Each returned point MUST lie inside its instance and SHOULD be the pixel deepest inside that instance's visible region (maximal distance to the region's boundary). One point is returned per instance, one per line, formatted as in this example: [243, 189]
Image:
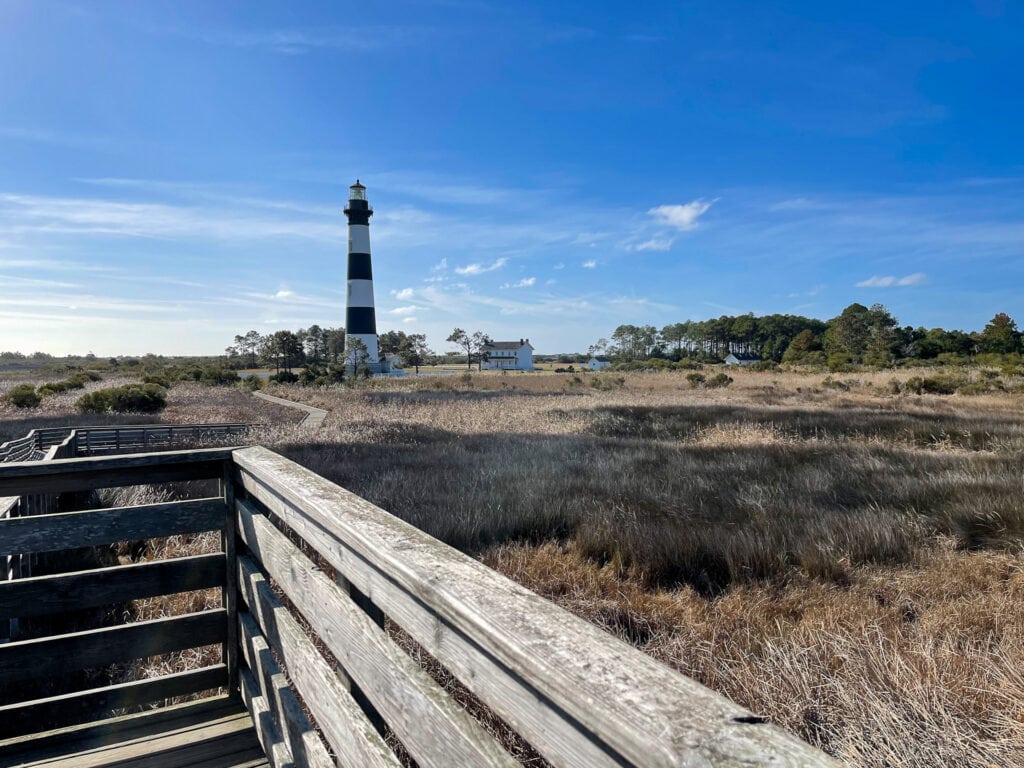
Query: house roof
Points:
[746, 356]
[602, 358]
[508, 344]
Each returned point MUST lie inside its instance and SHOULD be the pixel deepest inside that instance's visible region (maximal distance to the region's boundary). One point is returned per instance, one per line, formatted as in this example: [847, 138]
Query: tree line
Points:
[317, 346]
[859, 335]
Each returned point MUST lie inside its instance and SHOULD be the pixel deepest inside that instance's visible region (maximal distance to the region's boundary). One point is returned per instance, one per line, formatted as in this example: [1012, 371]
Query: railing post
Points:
[229, 596]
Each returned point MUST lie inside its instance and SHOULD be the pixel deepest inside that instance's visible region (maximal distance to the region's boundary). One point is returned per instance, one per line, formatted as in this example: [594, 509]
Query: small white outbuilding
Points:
[598, 363]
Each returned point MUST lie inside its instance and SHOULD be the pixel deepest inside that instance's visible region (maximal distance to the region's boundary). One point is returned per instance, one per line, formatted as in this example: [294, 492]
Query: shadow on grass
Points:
[677, 513]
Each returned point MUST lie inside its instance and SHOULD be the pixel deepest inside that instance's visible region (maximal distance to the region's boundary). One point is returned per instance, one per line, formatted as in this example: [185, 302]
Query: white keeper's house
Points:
[508, 356]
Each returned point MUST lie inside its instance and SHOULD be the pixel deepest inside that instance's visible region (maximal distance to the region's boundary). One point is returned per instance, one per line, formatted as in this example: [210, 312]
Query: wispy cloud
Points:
[682, 217]
[526, 282]
[403, 295]
[654, 244]
[890, 281]
[28, 214]
[402, 310]
[293, 42]
[479, 269]
[589, 264]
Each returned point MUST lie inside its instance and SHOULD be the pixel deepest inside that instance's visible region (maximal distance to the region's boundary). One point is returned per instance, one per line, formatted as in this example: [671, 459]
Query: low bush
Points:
[935, 385]
[220, 377]
[23, 396]
[283, 377]
[131, 398]
[695, 379]
[156, 378]
[718, 380]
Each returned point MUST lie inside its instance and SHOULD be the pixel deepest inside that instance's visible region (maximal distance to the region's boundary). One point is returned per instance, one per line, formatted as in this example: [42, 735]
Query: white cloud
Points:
[410, 319]
[890, 281]
[682, 217]
[526, 282]
[441, 266]
[284, 293]
[589, 264]
[654, 244]
[479, 269]
[402, 310]
[403, 295]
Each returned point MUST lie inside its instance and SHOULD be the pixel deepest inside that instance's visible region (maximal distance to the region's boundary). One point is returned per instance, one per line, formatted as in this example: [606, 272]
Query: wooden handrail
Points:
[575, 694]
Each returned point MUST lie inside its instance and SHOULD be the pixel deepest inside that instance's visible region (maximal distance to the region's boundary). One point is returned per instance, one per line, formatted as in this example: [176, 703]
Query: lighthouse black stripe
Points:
[360, 320]
[359, 267]
[358, 217]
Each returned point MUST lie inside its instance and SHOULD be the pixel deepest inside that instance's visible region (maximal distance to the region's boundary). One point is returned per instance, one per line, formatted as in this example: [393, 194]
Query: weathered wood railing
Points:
[98, 440]
[345, 634]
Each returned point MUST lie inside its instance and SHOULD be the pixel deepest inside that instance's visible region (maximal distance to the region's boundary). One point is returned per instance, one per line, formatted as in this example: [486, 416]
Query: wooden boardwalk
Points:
[314, 416]
[212, 733]
[331, 611]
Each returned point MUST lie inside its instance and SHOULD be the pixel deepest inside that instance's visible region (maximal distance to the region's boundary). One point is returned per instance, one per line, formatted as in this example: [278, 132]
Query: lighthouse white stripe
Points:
[370, 340]
[360, 293]
[358, 238]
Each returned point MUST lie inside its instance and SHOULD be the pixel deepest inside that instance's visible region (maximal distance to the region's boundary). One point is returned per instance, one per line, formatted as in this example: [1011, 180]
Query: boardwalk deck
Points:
[211, 733]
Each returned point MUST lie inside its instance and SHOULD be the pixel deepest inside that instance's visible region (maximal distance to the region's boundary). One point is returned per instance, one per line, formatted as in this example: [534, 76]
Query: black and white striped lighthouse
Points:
[360, 321]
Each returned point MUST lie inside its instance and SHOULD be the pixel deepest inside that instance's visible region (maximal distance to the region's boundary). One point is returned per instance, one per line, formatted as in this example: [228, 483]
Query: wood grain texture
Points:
[636, 710]
[216, 733]
[351, 735]
[83, 474]
[64, 654]
[106, 586]
[435, 730]
[84, 706]
[297, 732]
[277, 752]
[53, 533]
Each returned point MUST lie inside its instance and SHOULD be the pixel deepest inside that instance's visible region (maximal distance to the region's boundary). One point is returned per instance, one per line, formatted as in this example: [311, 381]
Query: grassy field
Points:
[844, 559]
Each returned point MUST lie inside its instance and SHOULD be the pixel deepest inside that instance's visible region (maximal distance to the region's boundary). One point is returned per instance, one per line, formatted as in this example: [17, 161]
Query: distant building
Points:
[598, 363]
[742, 358]
[508, 356]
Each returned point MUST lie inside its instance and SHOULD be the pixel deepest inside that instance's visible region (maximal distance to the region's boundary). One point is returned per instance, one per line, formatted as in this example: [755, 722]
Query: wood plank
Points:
[175, 744]
[106, 586]
[351, 735]
[628, 706]
[435, 730]
[64, 654]
[269, 736]
[124, 728]
[67, 530]
[74, 708]
[83, 474]
[229, 594]
[293, 725]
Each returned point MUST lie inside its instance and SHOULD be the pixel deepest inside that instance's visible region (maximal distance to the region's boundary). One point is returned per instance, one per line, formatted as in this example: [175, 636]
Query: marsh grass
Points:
[843, 560]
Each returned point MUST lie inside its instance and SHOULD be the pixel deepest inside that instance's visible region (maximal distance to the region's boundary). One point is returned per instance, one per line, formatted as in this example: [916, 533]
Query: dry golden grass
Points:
[845, 561]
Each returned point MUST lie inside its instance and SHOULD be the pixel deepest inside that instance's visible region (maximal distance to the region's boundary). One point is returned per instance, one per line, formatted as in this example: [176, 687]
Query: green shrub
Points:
[935, 385]
[718, 380]
[284, 377]
[763, 365]
[840, 362]
[131, 398]
[156, 378]
[695, 379]
[219, 377]
[23, 396]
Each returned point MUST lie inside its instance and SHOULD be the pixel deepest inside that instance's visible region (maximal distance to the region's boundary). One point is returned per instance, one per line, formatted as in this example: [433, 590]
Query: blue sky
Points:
[172, 174]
